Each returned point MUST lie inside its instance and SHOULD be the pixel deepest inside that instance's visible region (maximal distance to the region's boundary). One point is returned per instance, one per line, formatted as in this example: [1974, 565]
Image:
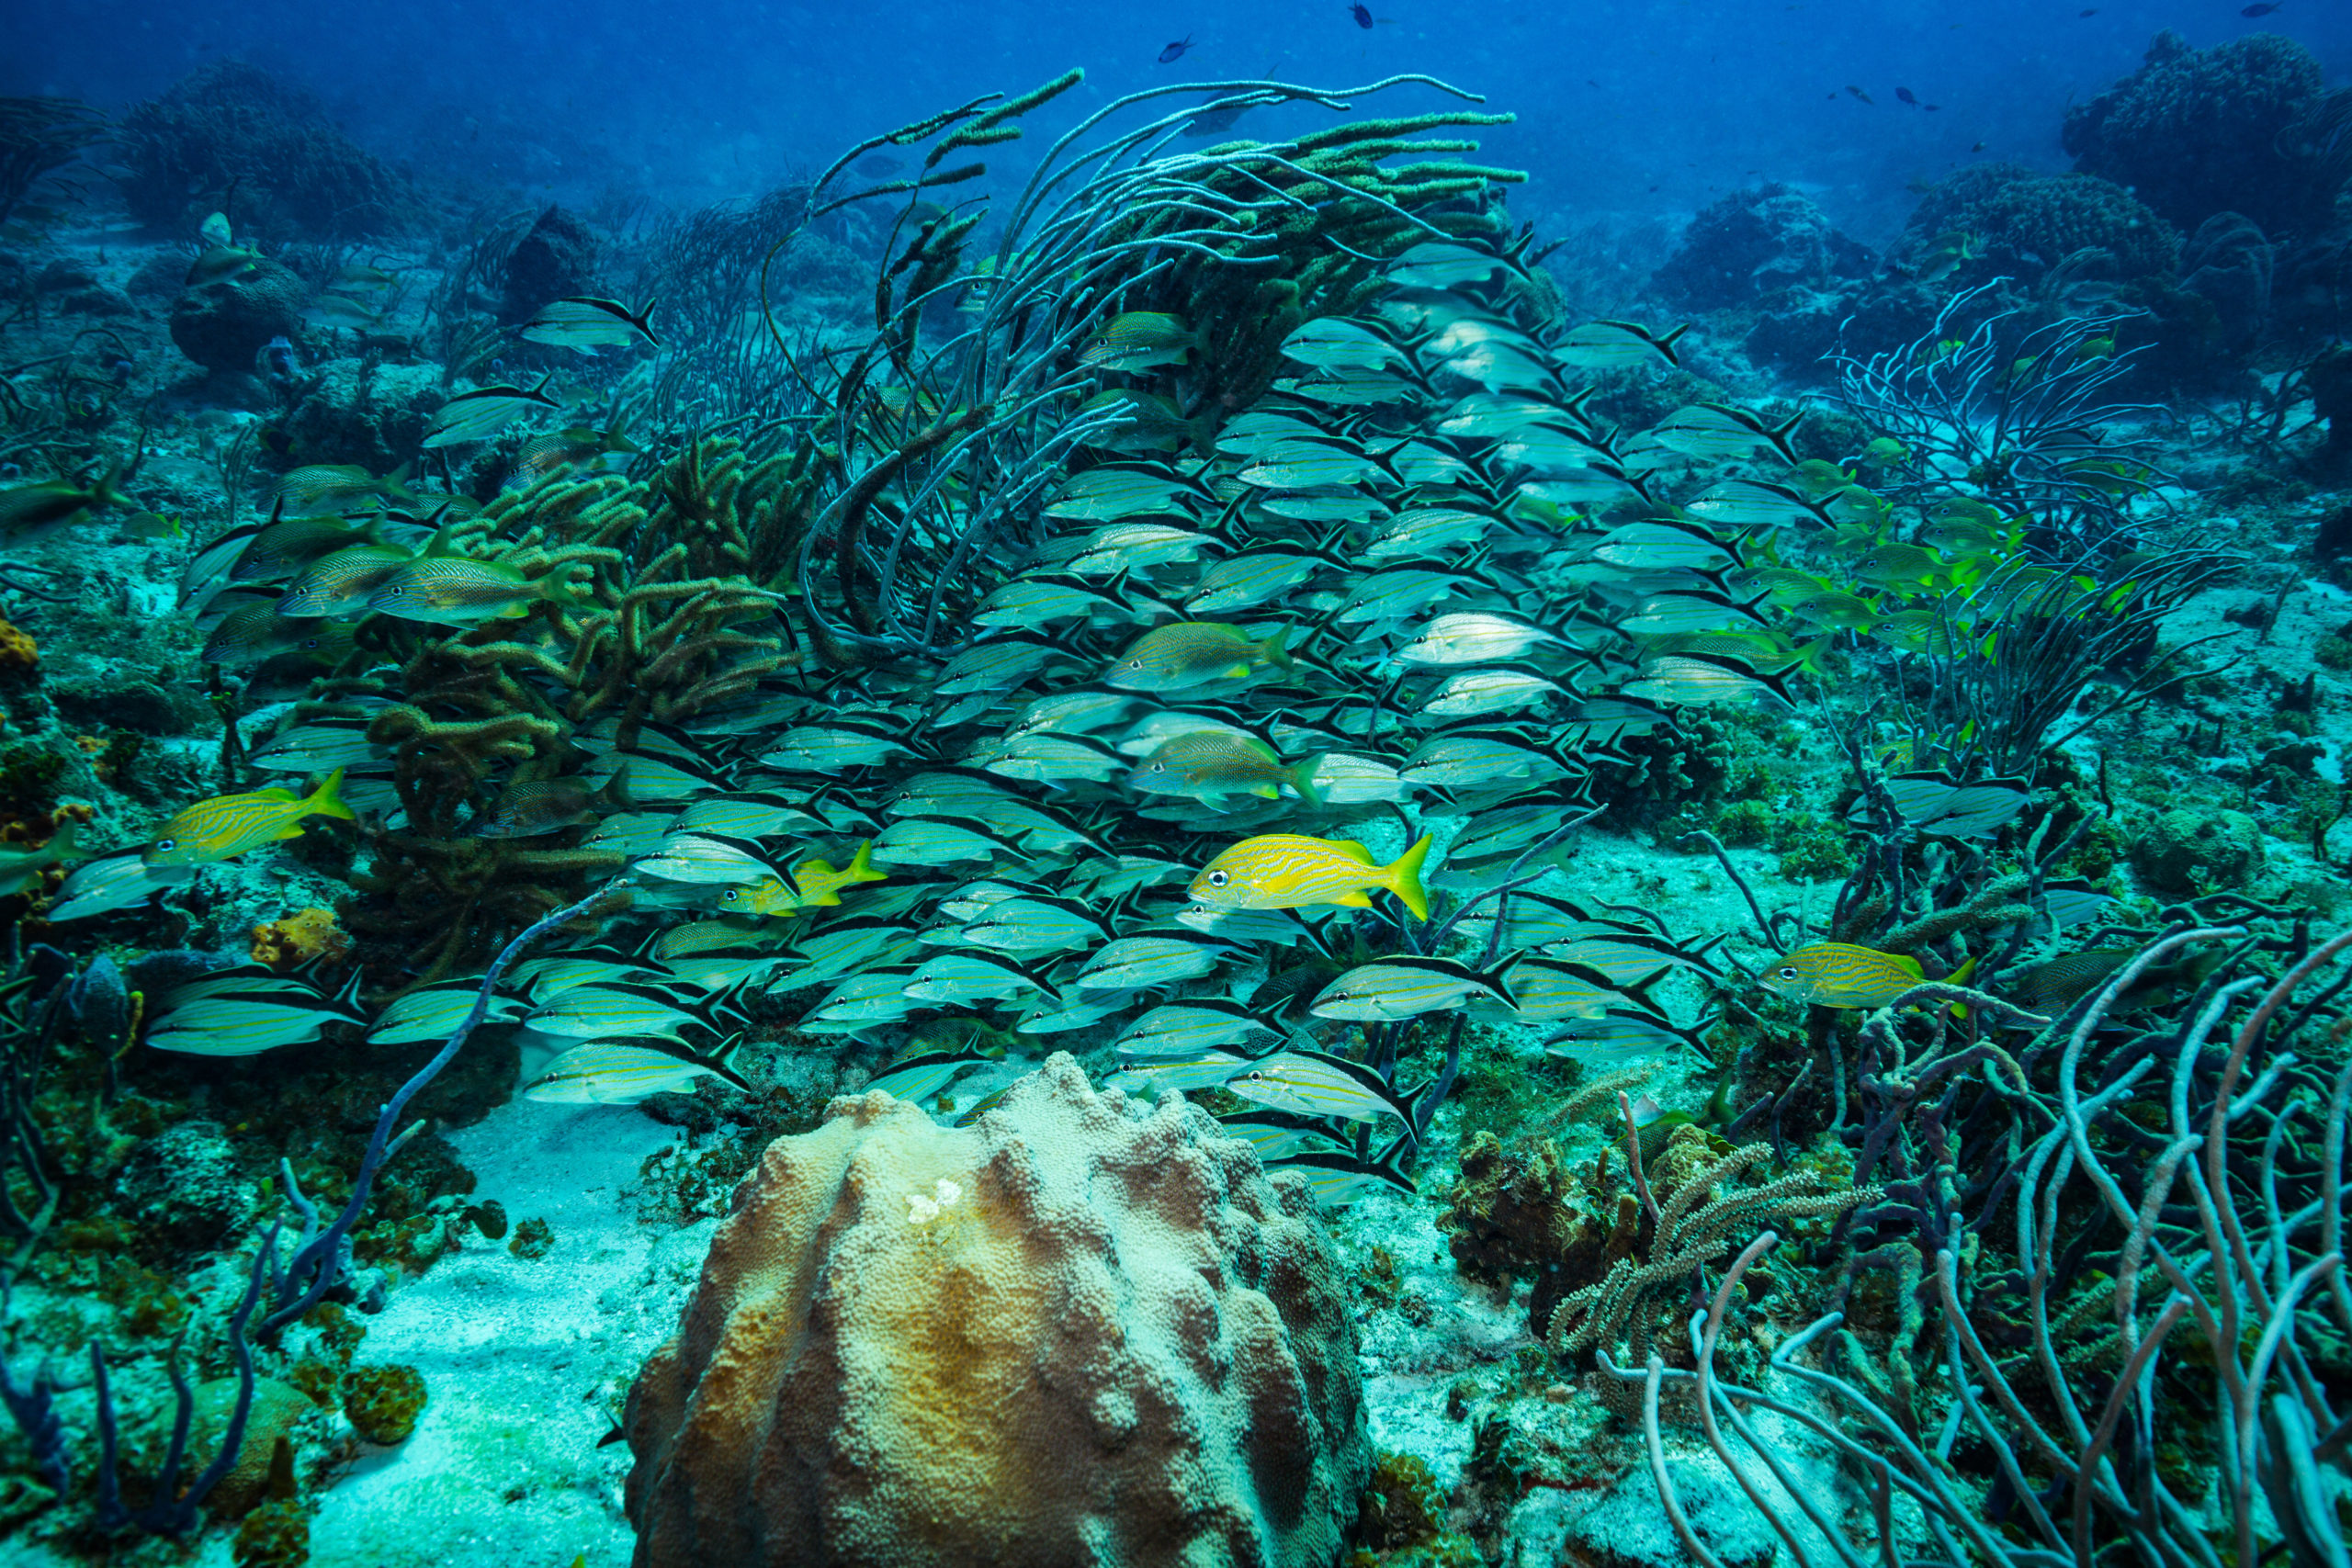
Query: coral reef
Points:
[364, 412]
[224, 324]
[2184, 851]
[382, 1403]
[2026, 224]
[1755, 242]
[308, 937]
[1068, 1333]
[230, 134]
[556, 257]
[277, 1408]
[2200, 131]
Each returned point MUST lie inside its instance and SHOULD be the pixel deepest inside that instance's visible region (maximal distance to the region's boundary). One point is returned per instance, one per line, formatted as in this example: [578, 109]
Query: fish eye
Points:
[166, 843]
[1218, 879]
[1135, 664]
[1786, 972]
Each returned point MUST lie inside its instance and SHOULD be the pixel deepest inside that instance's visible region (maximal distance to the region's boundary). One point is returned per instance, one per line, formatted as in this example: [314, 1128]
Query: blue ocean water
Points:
[1633, 107]
[1290, 866]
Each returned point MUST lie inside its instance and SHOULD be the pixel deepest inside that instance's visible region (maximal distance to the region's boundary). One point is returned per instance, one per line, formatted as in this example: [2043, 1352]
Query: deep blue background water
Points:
[1625, 106]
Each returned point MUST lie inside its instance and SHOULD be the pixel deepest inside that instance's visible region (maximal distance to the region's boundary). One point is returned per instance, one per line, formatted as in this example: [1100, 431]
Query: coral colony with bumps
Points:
[1132, 845]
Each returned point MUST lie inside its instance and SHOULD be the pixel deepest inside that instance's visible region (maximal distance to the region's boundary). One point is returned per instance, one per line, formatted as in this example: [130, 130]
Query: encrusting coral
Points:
[308, 937]
[1071, 1334]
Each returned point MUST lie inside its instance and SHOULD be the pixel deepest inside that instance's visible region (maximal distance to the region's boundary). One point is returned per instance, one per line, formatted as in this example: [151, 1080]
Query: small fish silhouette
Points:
[1175, 51]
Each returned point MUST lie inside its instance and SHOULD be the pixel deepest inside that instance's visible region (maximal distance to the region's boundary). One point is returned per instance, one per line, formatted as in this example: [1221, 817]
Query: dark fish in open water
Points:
[1175, 51]
[1362, 14]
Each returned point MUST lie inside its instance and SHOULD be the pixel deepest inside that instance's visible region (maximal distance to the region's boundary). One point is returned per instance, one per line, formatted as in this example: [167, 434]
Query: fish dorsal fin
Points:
[444, 529]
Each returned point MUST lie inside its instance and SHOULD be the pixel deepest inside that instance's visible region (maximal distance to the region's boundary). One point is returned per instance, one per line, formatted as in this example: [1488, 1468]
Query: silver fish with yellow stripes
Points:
[433, 1012]
[1147, 961]
[1190, 1026]
[918, 1078]
[1185, 1071]
[1401, 987]
[603, 1073]
[243, 1014]
[587, 325]
[1472, 637]
[1337, 1177]
[1310, 1083]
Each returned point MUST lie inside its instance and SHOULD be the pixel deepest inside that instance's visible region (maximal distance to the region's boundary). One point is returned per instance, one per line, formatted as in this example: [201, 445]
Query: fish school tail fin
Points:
[1275, 651]
[563, 592]
[614, 796]
[105, 492]
[861, 865]
[328, 801]
[1405, 878]
[1302, 779]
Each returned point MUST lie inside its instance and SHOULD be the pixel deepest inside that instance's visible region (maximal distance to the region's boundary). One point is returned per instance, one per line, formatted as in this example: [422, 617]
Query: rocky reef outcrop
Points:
[1072, 1334]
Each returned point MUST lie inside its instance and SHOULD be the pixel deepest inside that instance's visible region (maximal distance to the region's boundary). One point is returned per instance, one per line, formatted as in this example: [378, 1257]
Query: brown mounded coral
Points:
[382, 1403]
[1522, 1214]
[1069, 1334]
[223, 324]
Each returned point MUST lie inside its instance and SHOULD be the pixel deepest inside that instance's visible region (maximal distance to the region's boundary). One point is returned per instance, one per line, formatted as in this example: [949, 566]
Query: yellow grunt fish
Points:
[1834, 974]
[1192, 653]
[229, 825]
[815, 884]
[1285, 871]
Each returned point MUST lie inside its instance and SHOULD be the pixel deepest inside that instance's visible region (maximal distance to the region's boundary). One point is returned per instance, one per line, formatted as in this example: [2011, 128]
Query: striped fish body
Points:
[598, 1012]
[340, 585]
[1192, 653]
[229, 825]
[1139, 962]
[454, 590]
[1838, 974]
[434, 1013]
[1385, 992]
[1180, 1070]
[1287, 871]
[602, 1074]
[1310, 1084]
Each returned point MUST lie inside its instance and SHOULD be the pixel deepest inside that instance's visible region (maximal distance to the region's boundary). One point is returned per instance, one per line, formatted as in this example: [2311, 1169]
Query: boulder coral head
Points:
[1072, 1334]
[2197, 131]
